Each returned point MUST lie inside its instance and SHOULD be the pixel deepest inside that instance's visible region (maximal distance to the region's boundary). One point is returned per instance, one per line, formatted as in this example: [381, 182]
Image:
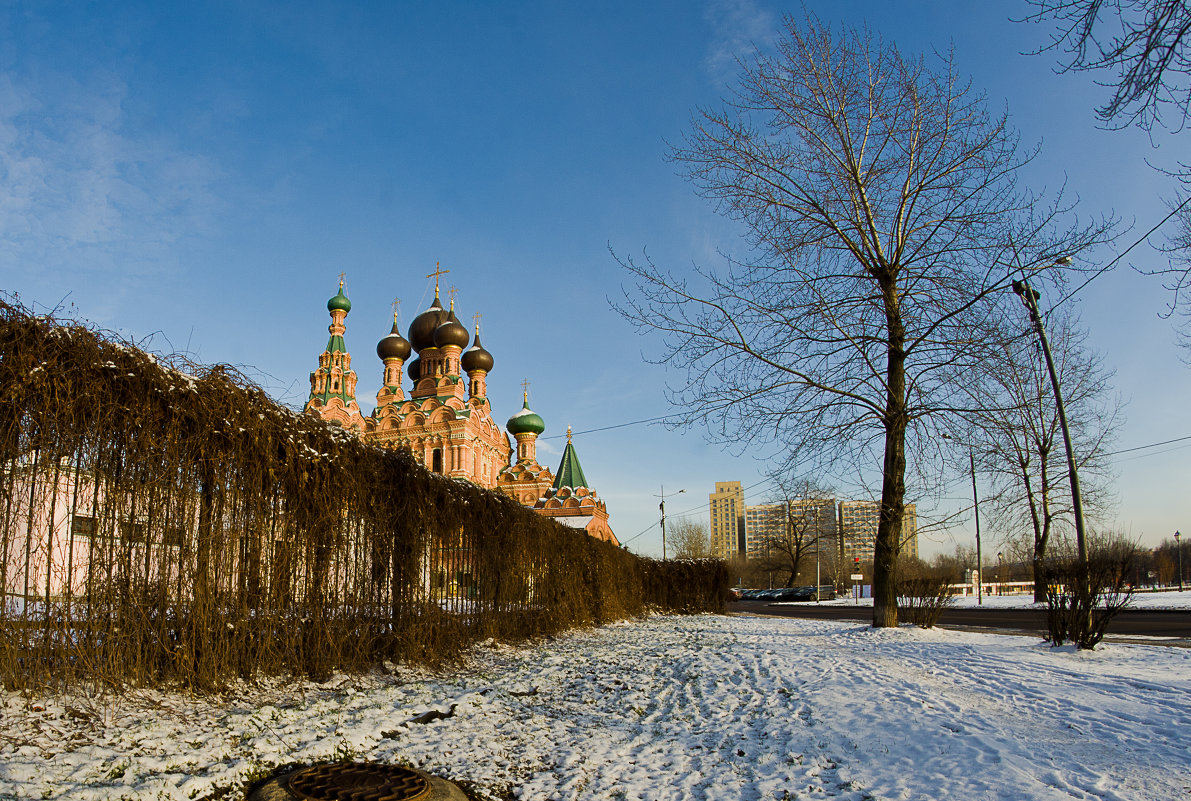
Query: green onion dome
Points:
[421, 330]
[339, 302]
[525, 422]
[393, 346]
[451, 332]
[476, 358]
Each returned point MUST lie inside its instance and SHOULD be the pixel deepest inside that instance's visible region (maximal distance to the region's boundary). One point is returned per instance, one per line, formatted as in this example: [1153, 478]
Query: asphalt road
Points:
[1155, 623]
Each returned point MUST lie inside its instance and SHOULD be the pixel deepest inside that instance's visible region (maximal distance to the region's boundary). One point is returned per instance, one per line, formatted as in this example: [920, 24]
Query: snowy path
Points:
[669, 708]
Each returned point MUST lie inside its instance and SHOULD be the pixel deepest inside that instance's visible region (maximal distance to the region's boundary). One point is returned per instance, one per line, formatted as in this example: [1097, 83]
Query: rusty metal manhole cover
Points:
[357, 781]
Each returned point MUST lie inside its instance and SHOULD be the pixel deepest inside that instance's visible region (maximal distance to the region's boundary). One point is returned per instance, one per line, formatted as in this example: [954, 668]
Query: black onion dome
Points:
[393, 346]
[476, 358]
[421, 330]
[415, 369]
[451, 332]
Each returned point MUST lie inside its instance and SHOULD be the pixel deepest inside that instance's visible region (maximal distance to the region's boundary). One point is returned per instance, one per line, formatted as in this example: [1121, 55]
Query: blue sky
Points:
[202, 172]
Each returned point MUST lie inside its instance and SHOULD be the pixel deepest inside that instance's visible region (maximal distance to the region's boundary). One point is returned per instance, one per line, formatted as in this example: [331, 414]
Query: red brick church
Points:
[446, 419]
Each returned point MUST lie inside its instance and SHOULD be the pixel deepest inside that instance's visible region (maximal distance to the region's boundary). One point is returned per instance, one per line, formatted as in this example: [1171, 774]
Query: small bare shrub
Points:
[1081, 600]
[924, 598]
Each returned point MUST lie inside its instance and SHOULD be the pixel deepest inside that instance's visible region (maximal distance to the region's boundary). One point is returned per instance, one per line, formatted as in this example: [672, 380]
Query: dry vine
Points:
[165, 522]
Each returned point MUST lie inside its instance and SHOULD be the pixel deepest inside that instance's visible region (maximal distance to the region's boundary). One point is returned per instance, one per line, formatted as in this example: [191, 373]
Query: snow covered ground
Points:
[705, 707]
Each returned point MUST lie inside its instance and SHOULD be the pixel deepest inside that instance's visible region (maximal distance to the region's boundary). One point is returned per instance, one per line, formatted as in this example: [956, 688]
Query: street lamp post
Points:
[1000, 572]
[662, 508]
[1179, 549]
[976, 514]
[818, 544]
[1029, 297]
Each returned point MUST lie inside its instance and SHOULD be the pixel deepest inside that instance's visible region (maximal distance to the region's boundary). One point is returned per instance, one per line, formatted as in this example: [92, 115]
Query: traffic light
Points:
[857, 562]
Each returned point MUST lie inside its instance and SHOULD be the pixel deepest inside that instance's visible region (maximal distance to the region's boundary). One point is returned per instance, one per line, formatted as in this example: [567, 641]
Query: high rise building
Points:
[764, 524]
[810, 519]
[727, 519]
[858, 529]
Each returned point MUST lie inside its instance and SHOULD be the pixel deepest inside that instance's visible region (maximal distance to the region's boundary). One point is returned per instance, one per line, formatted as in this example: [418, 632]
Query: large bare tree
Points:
[1018, 444]
[880, 203]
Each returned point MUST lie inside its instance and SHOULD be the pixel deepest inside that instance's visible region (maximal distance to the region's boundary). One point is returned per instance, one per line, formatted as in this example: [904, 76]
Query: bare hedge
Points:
[165, 522]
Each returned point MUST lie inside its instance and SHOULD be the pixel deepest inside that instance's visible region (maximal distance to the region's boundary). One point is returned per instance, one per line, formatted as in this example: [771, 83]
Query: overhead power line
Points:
[693, 510]
[617, 425]
[1121, 255]
[1151, 445]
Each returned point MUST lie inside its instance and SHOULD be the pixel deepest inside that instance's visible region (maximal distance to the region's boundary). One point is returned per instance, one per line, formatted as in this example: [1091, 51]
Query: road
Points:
[1154, 623]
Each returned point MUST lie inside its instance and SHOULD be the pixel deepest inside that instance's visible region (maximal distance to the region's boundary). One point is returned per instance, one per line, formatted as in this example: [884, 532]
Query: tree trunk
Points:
[893, 480]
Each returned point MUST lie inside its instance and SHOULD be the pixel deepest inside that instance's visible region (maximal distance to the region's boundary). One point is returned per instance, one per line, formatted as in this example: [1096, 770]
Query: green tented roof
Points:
[569, 474]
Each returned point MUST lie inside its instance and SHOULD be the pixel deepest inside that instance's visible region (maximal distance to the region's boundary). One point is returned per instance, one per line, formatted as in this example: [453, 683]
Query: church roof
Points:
[569, 473]
[580, 521]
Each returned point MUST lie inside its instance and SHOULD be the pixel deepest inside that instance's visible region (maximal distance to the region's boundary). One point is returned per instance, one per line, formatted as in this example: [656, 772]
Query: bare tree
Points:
[880, 202]
[956, 564]
[690, 540]
[1018, 443]
[1143, 43]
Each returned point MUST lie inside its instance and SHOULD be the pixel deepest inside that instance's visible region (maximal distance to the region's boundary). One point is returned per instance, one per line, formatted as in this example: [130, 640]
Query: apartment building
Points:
[727, 519]
[858, 529]
[814, 519]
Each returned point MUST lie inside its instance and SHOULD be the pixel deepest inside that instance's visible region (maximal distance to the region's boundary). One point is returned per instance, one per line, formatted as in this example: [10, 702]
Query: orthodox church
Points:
[446, 419]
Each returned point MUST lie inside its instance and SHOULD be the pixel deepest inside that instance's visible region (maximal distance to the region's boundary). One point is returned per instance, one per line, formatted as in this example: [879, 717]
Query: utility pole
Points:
[662, 508]
[1029, 297]
[976, 512]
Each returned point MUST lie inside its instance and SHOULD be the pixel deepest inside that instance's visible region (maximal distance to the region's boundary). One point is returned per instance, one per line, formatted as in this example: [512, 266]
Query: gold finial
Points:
[341, 275]
[396, 307]
[437, 272]
[568, 434]
[525, 386]
[451, 293]
[476, 317]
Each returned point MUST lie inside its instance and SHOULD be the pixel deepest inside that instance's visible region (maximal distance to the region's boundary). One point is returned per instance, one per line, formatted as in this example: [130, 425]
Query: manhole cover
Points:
[357, 781]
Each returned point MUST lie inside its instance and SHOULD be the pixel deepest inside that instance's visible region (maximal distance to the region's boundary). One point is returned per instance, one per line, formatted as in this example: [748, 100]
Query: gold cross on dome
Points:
[396, 308]
[476, 318]
[451, 293]
[525, 386]
[341, 275]
[437, 272]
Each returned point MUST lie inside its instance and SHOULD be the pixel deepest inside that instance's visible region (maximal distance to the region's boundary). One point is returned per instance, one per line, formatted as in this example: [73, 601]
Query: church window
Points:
[436, 460]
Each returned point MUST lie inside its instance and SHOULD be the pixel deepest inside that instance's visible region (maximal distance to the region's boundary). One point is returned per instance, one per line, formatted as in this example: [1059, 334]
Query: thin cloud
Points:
[740, 28]
[79, 192]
